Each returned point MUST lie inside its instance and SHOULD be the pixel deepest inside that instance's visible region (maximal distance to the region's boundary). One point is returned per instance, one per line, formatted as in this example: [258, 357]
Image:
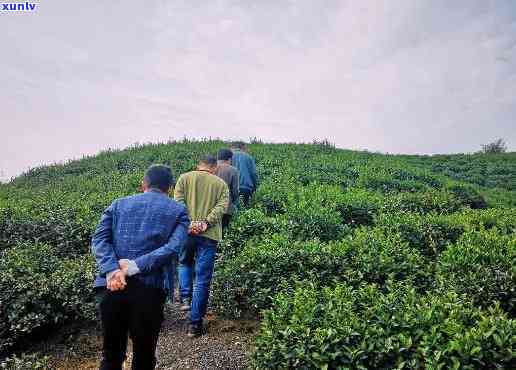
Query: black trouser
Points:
[136, 311]
[226, 219]
[246, 196]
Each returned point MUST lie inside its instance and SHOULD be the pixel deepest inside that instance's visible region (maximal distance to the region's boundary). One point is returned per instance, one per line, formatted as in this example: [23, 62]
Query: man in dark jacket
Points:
[229, 174]
[134, 245]
[246, 167]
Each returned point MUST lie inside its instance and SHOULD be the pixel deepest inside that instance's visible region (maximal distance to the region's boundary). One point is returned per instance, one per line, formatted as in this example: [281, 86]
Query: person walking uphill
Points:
[246, 167]
[134, 244]
[229, 174]
[206, 197]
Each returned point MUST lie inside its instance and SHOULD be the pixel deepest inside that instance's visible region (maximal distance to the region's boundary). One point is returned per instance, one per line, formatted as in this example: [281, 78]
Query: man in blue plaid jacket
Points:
[134, 245]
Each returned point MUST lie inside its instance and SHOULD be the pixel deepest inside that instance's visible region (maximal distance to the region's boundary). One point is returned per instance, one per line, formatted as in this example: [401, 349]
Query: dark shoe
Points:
[185, 305]
[194, 331]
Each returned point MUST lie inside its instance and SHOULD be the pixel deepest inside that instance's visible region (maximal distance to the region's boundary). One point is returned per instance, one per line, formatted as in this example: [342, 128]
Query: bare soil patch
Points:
[225, 345]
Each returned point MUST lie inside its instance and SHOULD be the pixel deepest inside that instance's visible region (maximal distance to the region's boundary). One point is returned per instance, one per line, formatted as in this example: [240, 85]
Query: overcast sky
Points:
[398, 76]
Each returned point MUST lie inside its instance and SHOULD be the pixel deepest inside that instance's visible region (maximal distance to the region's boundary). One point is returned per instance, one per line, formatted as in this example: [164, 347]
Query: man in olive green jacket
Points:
[206, 197]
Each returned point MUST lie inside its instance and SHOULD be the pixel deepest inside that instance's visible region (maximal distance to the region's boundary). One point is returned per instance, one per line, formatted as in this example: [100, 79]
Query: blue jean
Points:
[199, 256]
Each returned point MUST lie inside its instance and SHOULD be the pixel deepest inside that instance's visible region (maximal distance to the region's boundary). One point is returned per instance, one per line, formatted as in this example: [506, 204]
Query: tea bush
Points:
[432, 233]
[307, 221]
[323, 170]
[429, 234]
[340, 327]
[246, 284]
[504, 219]
[468, 195]
[432, 201]
[38, 289]
[482, 264]
[248, 225]
[379, 179]
[499, 198]
[377, 257]
[320, 215]
[58, 227]
[272, 195]
[26, 361]
[358, 207]
[489, 170]
[354, 206]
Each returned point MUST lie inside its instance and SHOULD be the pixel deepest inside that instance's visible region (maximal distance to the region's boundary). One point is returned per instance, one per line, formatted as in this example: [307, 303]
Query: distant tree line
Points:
[497, 146]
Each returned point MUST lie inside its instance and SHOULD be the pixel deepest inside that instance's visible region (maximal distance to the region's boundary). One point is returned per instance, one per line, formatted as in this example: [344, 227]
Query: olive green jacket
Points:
[206, 197]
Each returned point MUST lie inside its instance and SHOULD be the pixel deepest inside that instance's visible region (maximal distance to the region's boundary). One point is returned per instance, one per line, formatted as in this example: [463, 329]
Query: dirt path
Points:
[224, 346]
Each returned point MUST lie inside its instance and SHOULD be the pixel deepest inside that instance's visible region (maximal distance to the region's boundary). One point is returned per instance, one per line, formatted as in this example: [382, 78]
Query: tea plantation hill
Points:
[349, 259]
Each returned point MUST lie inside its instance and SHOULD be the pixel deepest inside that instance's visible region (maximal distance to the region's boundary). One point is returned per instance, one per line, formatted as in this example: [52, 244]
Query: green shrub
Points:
[246, 284]
[273, 193]
[500, 198]
[376, 257]
[468, 195]
[493, 171]
[247, 225]
[328, 172]
[58, 227]
[38, 290]
[315, 196]
[337, 328]
[389, 179]
[306, 221]
[432, 201]
[358, 207]
[25, 361]
[504, 219]
[327, 212]
[429, 234]
[432, 233]
[482, 264]
[386, 183]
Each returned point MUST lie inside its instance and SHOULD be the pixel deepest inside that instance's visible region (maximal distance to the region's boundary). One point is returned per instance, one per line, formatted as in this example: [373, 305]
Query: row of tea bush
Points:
[321, 215]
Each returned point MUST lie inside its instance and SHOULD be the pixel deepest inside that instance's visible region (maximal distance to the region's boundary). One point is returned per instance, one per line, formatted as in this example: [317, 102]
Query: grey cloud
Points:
[398, 76]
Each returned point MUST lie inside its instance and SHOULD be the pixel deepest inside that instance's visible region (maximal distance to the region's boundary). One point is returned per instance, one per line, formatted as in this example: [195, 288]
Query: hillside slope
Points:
[333, 238]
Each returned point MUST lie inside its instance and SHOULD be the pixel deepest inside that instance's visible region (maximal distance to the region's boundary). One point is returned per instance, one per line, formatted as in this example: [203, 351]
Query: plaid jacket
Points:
[149, 228]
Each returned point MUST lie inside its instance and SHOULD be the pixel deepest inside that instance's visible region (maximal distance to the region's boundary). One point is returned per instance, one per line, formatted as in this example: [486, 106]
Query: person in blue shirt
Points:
[134, 245]
[246, 167]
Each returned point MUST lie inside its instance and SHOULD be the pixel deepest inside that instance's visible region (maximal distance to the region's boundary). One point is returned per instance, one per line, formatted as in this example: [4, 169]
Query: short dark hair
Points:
[238, 144]
[159, 176]
[208, 160]
[224, 154]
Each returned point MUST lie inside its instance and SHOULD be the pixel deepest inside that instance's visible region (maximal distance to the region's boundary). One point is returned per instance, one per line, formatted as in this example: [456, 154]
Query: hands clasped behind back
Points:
[116, 280]
[197, 227]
